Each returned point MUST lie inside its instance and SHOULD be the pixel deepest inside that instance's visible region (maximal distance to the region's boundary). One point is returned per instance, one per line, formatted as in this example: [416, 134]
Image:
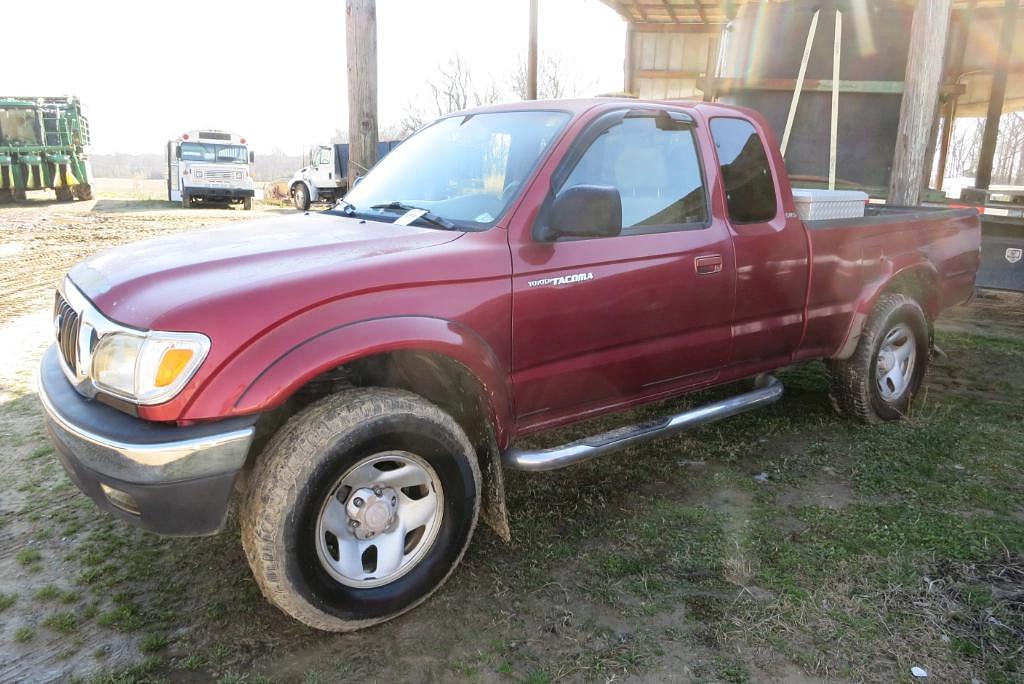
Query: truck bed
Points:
[850, 256]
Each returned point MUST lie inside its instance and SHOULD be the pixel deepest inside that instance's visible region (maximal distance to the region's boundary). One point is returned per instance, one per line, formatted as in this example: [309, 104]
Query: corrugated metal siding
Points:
[683, 56]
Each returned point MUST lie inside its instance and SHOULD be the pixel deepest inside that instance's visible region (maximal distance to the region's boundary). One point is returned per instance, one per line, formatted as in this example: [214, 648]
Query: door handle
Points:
[708, 265]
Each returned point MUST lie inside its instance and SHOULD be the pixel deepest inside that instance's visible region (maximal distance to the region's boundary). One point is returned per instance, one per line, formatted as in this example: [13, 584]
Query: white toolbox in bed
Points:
[817, 205]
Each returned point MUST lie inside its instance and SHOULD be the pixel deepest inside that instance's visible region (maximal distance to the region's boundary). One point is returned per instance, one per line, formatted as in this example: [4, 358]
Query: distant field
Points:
[130, 188]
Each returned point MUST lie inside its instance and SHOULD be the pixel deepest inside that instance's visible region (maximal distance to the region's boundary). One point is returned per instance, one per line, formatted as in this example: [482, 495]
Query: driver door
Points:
[607, 321]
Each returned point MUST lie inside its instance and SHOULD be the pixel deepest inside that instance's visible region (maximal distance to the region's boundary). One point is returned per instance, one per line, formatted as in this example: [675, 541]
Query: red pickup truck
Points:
[357, 378]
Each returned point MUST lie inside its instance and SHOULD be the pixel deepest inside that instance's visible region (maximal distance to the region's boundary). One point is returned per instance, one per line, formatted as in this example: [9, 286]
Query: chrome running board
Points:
[767, 390]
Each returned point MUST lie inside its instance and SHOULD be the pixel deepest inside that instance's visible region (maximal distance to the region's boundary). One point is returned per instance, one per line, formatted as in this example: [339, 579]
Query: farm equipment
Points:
[43, 145]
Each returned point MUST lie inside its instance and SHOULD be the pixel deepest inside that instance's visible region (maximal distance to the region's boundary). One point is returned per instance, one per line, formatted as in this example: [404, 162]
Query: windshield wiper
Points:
[347, 208]
[427, 216]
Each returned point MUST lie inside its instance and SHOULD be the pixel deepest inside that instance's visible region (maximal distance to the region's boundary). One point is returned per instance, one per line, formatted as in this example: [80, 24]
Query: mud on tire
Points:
[296, 480]
[869, 385]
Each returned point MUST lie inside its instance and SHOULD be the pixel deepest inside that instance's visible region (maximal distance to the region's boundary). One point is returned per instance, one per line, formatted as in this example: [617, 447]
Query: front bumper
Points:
[219, 193]
[163, 478]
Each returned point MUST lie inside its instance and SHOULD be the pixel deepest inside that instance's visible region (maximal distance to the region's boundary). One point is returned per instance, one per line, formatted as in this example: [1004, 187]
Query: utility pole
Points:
[361, 53]
[531, 55]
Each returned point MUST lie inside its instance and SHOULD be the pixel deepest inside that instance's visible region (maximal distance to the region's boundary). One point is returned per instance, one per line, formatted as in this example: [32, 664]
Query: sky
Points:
[274, 72]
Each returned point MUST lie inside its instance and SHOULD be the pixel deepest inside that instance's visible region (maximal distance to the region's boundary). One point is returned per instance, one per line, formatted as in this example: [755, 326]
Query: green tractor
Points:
[44, 144]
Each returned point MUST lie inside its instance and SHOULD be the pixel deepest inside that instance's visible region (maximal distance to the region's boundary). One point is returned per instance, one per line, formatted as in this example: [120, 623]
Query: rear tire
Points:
[83, 191]
[879, 381]
[247, 203]
[298, 498]
[64, 194]
[301, 197]
[186, 200]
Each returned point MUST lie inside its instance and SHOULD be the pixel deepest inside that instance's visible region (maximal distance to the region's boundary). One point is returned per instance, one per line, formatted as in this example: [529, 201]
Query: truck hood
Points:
[145, 284]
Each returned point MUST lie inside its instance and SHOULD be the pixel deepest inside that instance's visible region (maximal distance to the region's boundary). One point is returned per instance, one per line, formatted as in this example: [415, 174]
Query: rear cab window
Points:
[653, 162]
[746, 171]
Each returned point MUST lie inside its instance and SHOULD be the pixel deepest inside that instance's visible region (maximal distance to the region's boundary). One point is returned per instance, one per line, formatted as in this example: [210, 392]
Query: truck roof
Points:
[577, 106]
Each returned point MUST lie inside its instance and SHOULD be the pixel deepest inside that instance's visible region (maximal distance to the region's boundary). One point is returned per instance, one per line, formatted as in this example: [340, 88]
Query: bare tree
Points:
[556, 78]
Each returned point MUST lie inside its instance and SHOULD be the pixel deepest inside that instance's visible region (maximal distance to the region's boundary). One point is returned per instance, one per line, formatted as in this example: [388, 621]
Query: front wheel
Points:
[360, 508]
[247, 203]
[301, 197]
[186, 200]
[888, 366]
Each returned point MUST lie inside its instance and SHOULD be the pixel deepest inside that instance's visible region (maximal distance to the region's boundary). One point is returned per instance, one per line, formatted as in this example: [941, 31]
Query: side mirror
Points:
[585, 211]
[177, 152]
[252, 157]
[357, 181]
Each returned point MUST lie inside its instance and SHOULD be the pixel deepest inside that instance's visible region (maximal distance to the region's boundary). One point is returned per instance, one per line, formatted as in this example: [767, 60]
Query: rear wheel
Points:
[888, 367]
[64, 194]
[301, 197]
[83, 191]
[360, 508]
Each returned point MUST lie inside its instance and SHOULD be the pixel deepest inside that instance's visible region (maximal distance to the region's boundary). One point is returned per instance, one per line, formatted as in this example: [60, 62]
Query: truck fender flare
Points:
[349, 342]
[920, 270]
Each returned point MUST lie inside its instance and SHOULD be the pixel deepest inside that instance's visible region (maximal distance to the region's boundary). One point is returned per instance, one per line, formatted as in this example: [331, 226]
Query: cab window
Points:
[746, 173]
[653, 163]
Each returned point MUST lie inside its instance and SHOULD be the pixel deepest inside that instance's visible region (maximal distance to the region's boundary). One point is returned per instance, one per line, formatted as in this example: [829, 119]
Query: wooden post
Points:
[361, 49]
[996, 98]
[711, 67]
[531, 55]
[928, 35]
[959, 31]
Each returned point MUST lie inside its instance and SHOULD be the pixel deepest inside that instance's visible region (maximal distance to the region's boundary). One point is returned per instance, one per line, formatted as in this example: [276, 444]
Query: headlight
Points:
[147, 368]
[239, 175]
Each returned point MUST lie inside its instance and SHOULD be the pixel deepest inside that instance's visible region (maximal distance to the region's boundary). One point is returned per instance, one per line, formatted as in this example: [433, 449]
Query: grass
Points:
[865, 551]
[65, 622]
[28, 557]
[24, 634]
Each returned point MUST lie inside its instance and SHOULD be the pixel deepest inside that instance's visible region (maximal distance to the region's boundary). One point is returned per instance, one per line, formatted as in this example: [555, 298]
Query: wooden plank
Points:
[928, 35]
[700, 10]
[531, 55]
[671, 12]
[996, 97]
[668, 73]
[629, 80]
[798, 86]
[694, 27]
[640, 10]
[361, 58]
[825, 86]
[833, 139]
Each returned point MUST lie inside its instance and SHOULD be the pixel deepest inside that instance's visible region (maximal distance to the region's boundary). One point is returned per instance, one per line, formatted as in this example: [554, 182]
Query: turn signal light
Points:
[171, 365]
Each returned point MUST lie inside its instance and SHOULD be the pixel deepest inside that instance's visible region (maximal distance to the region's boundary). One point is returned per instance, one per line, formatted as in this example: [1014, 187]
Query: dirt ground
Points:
[783, 546]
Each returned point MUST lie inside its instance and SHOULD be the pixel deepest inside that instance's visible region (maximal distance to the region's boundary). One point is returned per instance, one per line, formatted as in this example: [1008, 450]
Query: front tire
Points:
[301, 197]
[186, 200]
[247, 203]
[889, 364]
[360, 508]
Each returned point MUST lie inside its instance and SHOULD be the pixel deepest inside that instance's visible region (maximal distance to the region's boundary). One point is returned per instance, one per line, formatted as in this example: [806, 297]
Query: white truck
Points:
[324, 179]
[209, 166]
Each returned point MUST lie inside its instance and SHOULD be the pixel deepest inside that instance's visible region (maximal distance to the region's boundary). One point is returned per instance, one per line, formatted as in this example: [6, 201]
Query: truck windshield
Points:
[207, 152]
[463, 168]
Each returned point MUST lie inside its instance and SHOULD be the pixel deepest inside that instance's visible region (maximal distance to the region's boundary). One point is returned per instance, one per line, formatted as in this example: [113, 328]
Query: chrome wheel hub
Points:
[380, 519]
[894, 366]
[371, 511]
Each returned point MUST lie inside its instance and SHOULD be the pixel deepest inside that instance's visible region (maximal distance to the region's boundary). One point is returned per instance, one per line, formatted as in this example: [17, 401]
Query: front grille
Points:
[220, 175]
[66, 323]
